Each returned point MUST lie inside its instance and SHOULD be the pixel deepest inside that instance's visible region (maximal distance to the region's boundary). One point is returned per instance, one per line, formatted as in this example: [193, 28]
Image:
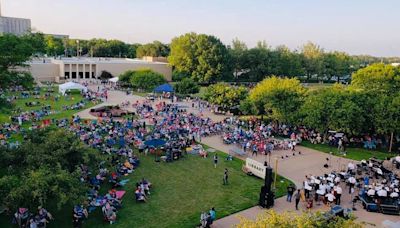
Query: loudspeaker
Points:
[266, 195]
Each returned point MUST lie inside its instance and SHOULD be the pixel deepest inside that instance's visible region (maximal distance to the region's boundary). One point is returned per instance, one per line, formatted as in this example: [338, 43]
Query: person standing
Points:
[338, 191]
[225, 179]
[290, 191]
[297, 197]
[215, 160]
[213, 215]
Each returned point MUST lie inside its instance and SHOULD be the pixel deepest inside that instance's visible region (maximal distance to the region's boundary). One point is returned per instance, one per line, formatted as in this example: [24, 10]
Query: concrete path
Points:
[295, 168]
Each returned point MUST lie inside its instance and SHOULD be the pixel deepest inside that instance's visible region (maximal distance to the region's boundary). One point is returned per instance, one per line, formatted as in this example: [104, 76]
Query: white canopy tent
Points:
[71, 85]
[115, 79]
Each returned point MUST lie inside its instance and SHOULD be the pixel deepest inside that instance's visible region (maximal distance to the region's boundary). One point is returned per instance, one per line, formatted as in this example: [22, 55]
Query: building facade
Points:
[76, 69]
[13, 25]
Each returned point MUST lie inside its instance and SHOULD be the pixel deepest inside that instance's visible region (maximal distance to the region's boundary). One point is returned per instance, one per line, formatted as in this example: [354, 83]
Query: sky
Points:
[354, 26]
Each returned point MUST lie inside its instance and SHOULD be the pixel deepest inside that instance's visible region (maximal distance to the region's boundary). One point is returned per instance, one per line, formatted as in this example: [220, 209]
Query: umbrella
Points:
[155, 142]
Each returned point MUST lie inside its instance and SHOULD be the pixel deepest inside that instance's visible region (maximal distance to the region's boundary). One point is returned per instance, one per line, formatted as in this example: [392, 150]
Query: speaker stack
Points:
[266, 194]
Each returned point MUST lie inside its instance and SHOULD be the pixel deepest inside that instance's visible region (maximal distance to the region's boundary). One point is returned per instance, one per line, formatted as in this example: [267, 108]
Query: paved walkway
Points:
[293, 167]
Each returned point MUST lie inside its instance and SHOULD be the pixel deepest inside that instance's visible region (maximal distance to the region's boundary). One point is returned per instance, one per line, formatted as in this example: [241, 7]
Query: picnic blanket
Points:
[120, 194]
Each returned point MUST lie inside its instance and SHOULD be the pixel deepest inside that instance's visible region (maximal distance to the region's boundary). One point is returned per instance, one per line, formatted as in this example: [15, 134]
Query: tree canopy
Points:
[143, 79]
[202, 56]
[44, 170]
[278, 98]
[186, 86]
[225, 96]
[154, 49]
[15, 51]
[292, 220]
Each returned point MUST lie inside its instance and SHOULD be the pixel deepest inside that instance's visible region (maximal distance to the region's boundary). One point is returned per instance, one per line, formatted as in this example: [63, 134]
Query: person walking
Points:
[290, 191]
[297, 197]
[225, 179]
[215, 160]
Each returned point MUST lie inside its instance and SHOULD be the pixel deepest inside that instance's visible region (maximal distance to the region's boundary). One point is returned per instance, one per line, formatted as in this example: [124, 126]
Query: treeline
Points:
[205, 59]
[368, 106]
[53, 46]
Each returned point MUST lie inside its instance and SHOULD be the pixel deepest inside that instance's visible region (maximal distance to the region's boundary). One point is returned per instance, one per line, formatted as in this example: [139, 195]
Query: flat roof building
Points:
[14, 25]
[68, 69]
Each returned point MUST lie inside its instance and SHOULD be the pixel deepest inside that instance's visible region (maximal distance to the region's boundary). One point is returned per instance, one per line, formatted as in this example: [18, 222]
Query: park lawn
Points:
[74, 98]
[352, 153]
[317, 86]
[182, 190]
[185, 188]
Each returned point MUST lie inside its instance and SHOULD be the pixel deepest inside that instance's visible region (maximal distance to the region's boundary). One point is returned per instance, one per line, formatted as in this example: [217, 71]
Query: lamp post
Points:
[77, 48]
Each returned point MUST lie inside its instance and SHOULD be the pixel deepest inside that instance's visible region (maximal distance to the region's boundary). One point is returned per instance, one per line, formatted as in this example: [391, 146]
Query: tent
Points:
[115, 79]
[71, 85]
[155, 142]
[167, 88]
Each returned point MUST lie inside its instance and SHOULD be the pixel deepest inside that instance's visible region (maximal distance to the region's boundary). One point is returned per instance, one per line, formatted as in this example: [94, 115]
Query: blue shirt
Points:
[212, 214]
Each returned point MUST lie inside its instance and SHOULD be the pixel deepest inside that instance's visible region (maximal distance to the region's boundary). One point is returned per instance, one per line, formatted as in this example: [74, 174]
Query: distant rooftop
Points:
[94, 60]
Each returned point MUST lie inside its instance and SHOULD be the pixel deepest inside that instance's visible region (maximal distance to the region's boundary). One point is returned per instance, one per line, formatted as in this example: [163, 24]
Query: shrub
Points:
[186, 86]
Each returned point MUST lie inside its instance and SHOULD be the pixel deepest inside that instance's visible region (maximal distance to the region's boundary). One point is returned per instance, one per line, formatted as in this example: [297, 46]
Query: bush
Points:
[186, 86]
[179, 76]
[125, 77]
[144, 79]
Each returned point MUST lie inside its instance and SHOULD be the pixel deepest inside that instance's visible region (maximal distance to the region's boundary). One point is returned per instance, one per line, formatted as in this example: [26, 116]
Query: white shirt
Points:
[352, 180]
[330, 197]
[371, 192]
[338, 190]
[394, 194]
[382, 193]
[351, 166]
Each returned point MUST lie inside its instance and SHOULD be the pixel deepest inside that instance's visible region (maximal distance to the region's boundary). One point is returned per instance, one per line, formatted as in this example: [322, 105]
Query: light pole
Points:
[77, 48]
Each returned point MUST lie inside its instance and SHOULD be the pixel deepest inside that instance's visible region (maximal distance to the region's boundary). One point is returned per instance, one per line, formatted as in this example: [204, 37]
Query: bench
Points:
[237, 151]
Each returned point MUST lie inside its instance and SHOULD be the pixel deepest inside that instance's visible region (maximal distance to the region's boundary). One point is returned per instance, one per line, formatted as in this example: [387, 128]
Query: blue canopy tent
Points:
[167, 88]
[155, 142]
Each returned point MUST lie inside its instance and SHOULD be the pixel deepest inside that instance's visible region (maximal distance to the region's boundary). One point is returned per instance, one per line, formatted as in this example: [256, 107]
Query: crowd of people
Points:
[24, 218]
[370, 181]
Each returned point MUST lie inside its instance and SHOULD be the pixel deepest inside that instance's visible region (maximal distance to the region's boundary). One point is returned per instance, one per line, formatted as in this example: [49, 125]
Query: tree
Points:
[44, 170]
[144, 79]
[54, 46]
[382, 82]
[15, 52]
[337, 64]
[186, 86]
[154, 49]
[37, 42]
[104, 75]
[312, 60]
[225, 96]
[203, 56]
[339, 109]
[131, 52]
[379, 78]
[278, 98]
[292, 220]
[259, 64]
[126, 76]
[287, 63]
[238, 55]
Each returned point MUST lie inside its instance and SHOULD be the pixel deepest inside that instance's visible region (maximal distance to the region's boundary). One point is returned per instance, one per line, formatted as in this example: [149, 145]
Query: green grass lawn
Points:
[74, 98]
[352, 153]
[182, 190]
[316, 86]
